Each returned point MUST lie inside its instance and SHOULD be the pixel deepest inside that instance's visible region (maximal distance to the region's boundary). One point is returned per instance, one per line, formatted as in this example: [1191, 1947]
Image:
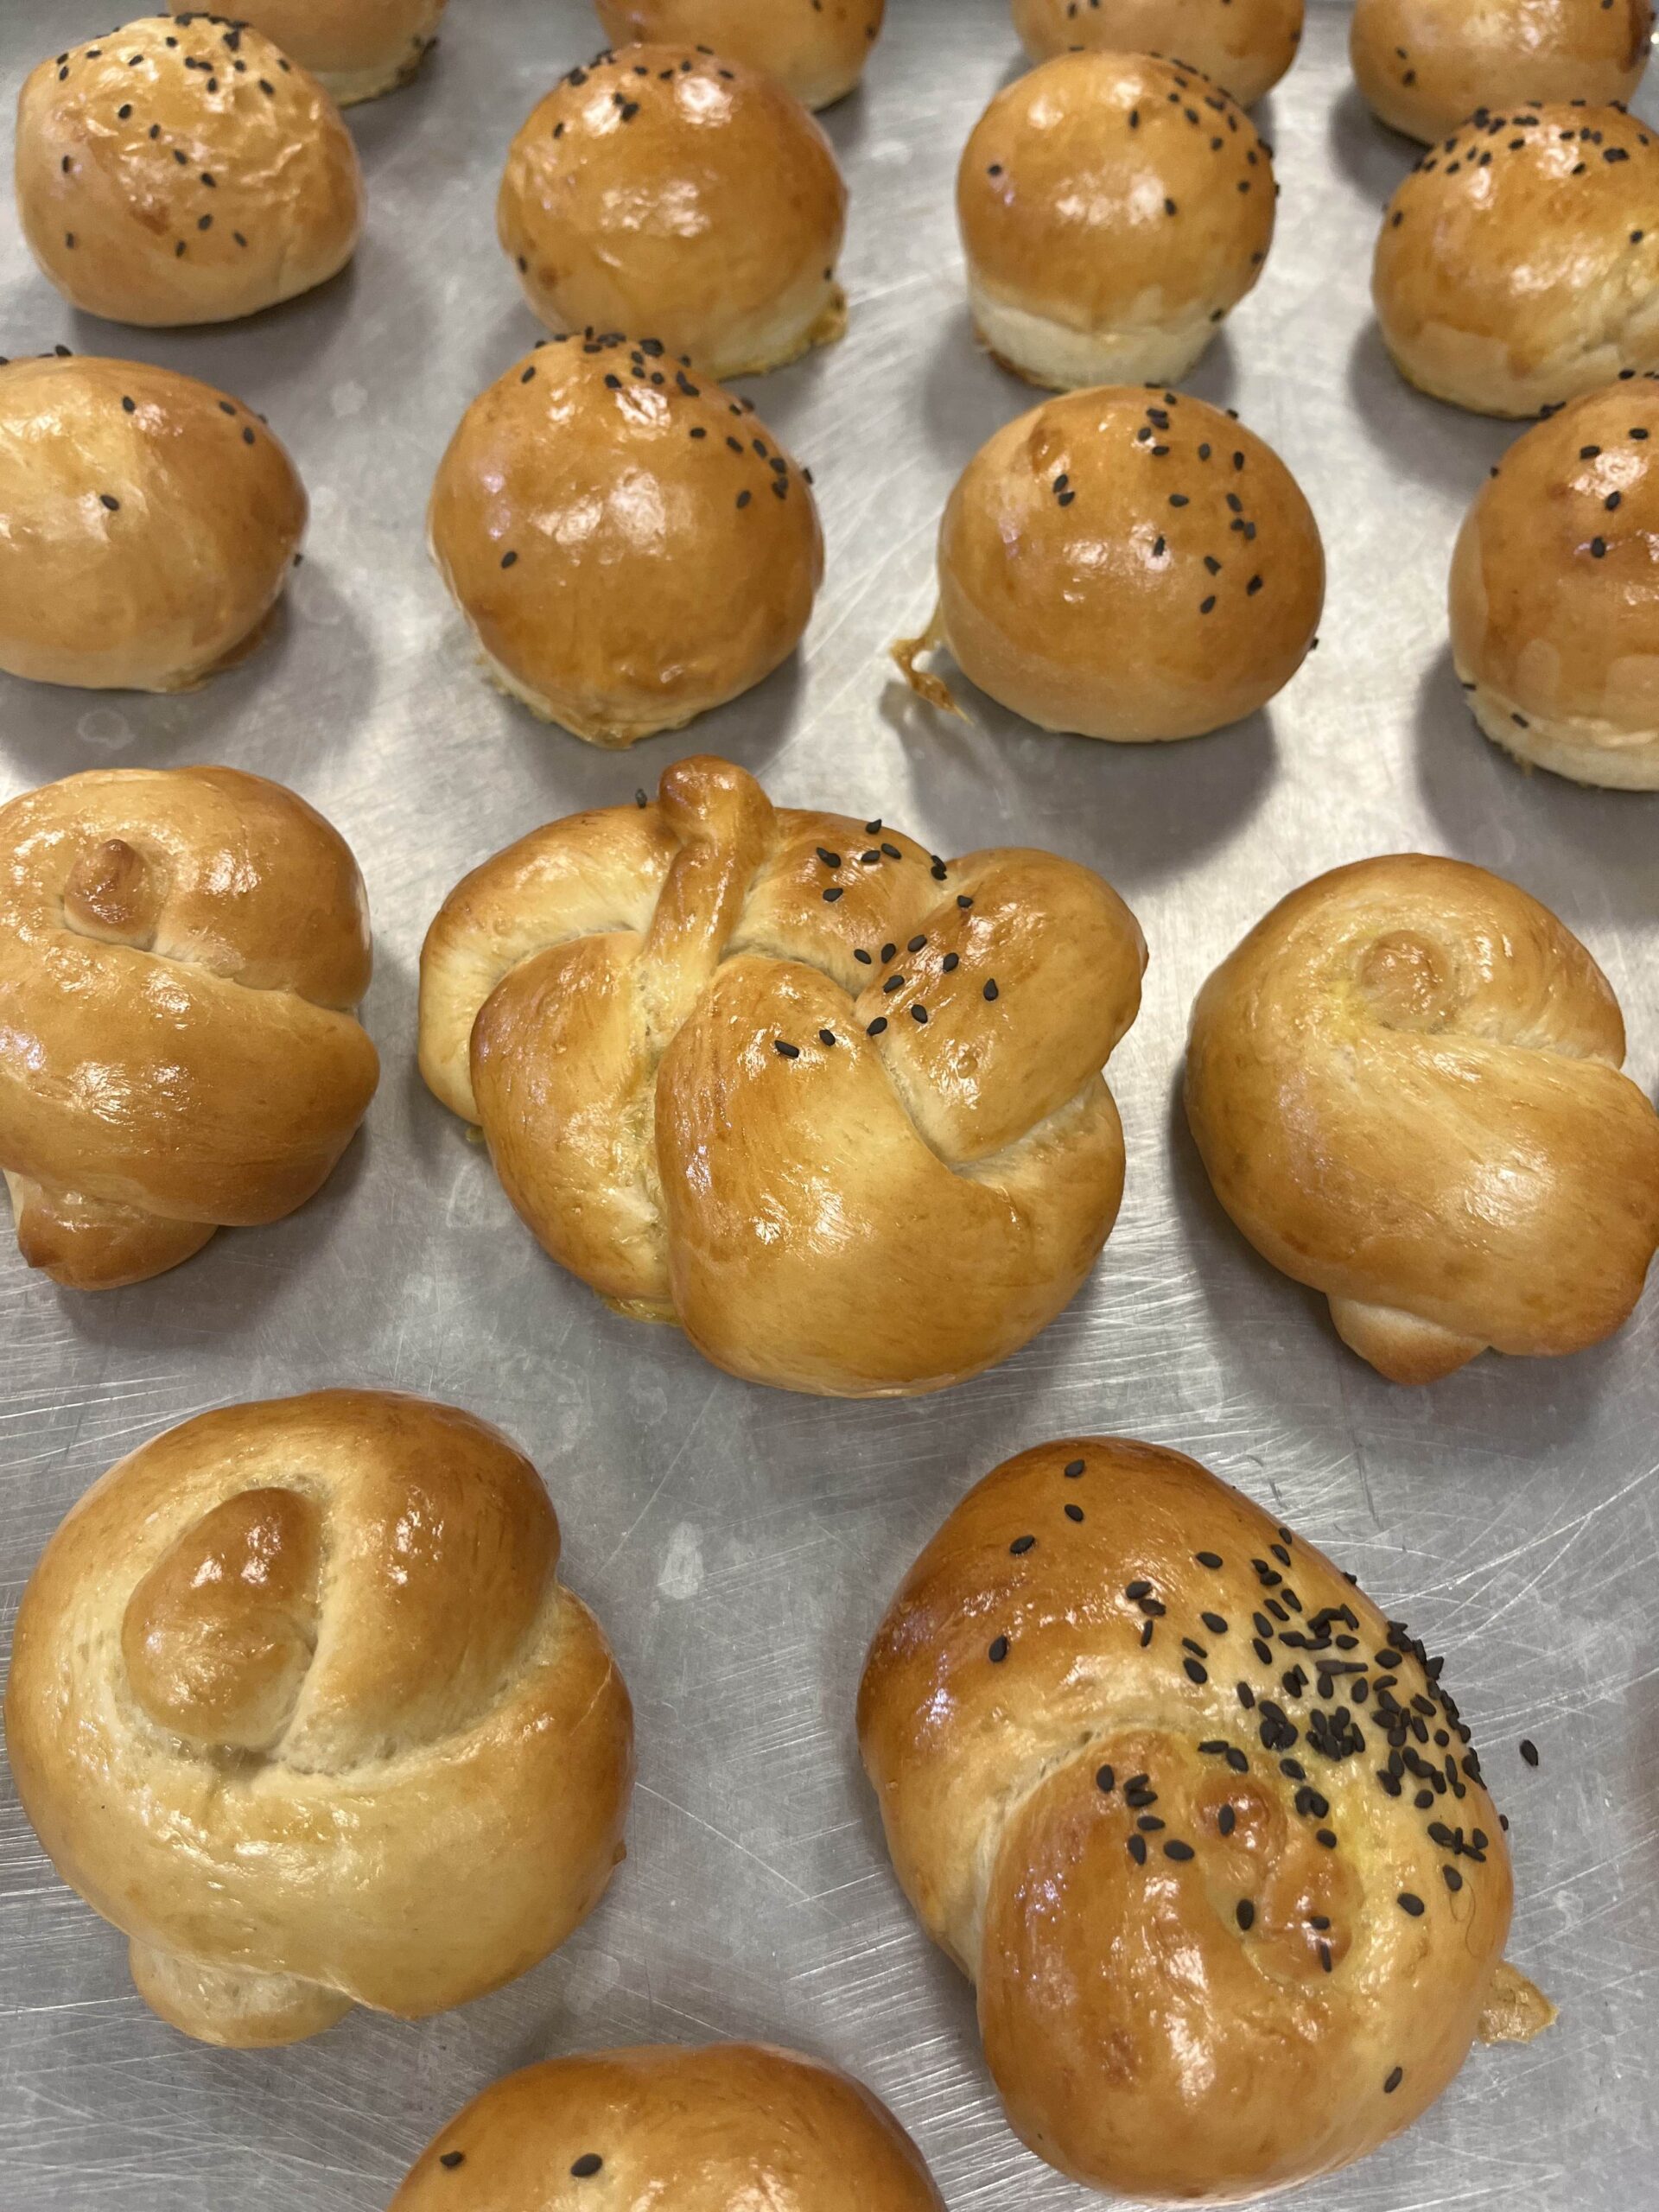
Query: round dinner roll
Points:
[1405, 1086]
[299, 1703]
[630, 544]
[1425, 65]
[356, 49]
[1128, 564]
[833, 1103]
[661, 189]
[181, 950]
[1555, 593]
[150, 524]
[1518, 264]
[1205, 1829]
[1113, 208]
[731, 2127]
[1245, 45]
[182, 169]
[816, 48]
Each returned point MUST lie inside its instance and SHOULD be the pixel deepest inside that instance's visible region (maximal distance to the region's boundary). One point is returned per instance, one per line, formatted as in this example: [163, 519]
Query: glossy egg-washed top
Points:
[816, 48]
[1245, 45]
[1426, 66]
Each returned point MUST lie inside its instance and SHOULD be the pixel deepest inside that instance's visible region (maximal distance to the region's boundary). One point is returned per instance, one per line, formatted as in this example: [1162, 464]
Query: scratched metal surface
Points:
[740, 1545]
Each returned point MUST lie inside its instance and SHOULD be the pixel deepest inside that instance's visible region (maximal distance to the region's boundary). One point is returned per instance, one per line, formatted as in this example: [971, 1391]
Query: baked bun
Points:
[1518, 265]
[630, 544]
[1555, 595]
[816, 48]
[1232, 1919]
[1245, 45]
[834, 1105]
[1425, 65]
[1126, 564]
[180, 949]
[1113, 208]
[1405, 1087]
[661, 188]
[721, 2129]
[356, 49]
[298, 1702]
[149, 524]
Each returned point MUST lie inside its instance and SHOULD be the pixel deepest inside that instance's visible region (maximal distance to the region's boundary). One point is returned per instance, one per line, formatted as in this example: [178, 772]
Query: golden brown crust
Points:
[1424, 66]
[1245, 45]
[707, 1105]
[1224, 1940]
[816, 48]
[356, 49]
[710, 2130]
[1405, 1086]
[298, 1703]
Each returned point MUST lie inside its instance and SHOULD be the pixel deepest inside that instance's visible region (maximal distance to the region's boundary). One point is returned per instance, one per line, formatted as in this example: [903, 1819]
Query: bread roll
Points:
[1113, 208]
[1205, 1830]
[150, 524]
[356, 49]
[1245, 45]
[298, 1702]
[1405, 1086]
[1518, 264]
[833, 1104]
[1128, 564]
[723, 2129]
[182, 169]
[664, 189]
[180, 949]
[1425, 65]
[816, 48]
[629, 543]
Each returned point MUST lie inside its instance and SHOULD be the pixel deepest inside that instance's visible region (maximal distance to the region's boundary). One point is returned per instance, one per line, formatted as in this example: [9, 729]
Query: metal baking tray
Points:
[740, 1544]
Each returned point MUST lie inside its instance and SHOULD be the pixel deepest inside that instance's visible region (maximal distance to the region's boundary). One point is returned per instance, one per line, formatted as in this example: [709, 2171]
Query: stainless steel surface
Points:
[739, 1545]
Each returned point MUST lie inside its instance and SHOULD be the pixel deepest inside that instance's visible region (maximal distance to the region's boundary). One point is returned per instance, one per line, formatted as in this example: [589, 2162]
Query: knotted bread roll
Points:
[356, 49]
[1405, 1086]
[833, 1104]
[1245, 45]
[816, 48]
[180, 950]
[298, 1702]
[1203, 1827]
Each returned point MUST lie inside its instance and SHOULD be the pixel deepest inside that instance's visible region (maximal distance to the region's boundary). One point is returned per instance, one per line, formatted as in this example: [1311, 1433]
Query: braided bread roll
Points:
[180, 950]
[1200, 1824]
[1405, 1086]
[830, 1102]
[298, 1702]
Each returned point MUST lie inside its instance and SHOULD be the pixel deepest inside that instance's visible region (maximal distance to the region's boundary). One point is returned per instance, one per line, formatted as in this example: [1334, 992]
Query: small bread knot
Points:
[1410, 982]
[113, 892]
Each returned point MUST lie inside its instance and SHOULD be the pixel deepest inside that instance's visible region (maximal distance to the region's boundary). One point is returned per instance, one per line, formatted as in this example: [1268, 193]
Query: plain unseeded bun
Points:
[1555, 593]
[1206, 1969]
[817, 48]
[1427, 64]
[733, 2127]
[299, 1703]
[1518, 264]
[1129, 564]
[356, 49]
[630, 544]
[661, 189]
[182, 169]
[1245, 45]
[150, 524]
[1113, 208]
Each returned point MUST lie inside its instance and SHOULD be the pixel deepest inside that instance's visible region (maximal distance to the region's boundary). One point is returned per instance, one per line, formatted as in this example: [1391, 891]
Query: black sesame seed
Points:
[1226, 1819]
[1452, 1879]
[1177, 1850]
[1106, 1780]
[1021, 1545]
[826, 1036]
[990, 990]
[918, 1014]
[863, 958]
[1138, 1849]
[1193, 1671]
[1394, 2081]
[834, 893]
[508, 560]
[1324, 1836]
[1529, 1750]
[1208, 1559]
[1074, 1513]
[1072, 1469]
[1409, 1903]
[1244, 1913]
[588, 2165]
[452, 2158]
[876, 1026]
[113, 505]
[999, 1650]
[786, 1051]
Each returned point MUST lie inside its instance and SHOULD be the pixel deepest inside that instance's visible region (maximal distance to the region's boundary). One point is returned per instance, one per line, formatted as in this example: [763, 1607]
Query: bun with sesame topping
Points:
[181, 170]
[1130, 565]
[1405, 1086]
[816, 48]
[782, 1076]
[730, 2127]
[1518, 264]
[1555, 593]
[356, 49]
[1245, 45]
[663, 188]
[1113, 207]
[1425, 65]
[1203, 1829]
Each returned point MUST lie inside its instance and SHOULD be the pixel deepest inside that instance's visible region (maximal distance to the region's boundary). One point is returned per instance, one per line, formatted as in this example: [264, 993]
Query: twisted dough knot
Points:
[298, 1702]
[1233, 1919]
[180, 950]
[1405, 1087]
[831, 1102]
